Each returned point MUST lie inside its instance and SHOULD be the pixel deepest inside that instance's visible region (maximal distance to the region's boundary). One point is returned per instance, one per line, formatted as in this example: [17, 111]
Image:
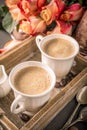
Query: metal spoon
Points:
[82, 117]
[82, 99]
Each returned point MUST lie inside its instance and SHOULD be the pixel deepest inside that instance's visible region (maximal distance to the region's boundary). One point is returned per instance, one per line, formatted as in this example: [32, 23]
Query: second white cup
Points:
[60, 65]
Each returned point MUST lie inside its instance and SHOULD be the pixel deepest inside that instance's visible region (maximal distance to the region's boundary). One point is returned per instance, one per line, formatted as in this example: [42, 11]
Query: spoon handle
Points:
[73, 123]
[71, 117]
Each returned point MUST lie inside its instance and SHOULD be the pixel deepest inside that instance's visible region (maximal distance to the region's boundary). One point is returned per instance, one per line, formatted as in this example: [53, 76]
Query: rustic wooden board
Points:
[60, 96]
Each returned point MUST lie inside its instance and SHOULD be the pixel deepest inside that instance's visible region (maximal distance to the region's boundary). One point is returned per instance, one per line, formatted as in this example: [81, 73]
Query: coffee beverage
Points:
[32, 80]
[32, 83]
[59, 48]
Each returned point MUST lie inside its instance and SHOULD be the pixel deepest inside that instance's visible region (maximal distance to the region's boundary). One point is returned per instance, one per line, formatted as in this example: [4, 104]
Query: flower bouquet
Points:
[25, 18]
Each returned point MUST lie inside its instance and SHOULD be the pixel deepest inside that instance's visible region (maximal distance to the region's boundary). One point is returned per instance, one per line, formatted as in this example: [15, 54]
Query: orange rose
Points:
[33, 26]
[49, 12]
[52, 11]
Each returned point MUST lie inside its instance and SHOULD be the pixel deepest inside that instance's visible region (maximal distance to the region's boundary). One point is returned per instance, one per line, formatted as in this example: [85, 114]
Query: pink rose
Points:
[52, 11]
[34, 26]
[62, 28]
[72, 13]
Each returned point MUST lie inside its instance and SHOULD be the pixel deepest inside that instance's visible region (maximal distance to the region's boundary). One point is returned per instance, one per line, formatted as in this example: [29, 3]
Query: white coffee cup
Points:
[25, 102]
[61, 66]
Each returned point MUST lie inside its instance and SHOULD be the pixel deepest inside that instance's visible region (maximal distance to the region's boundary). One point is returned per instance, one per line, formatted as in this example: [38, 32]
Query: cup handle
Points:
[38, 40]
[15, 108]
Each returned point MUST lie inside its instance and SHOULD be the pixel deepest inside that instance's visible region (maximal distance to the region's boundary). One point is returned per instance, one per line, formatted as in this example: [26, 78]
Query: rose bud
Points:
[33, 26]
[62, 28]
[52, 11]
[72, 13]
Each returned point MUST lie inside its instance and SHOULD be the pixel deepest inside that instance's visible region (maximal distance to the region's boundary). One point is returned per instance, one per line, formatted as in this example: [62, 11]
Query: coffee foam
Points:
[32, 80]
[59, 48]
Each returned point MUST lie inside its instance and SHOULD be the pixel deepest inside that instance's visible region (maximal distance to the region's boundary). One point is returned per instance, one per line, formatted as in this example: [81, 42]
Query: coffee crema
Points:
[59, 48]
[32, 80]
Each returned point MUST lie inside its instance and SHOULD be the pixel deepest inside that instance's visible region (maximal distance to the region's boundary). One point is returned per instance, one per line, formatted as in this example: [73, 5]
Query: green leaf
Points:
[3, 11]
[8, 23]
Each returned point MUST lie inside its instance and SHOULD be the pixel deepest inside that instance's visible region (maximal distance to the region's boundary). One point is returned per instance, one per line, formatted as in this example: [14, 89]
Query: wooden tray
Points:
[60, 96]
